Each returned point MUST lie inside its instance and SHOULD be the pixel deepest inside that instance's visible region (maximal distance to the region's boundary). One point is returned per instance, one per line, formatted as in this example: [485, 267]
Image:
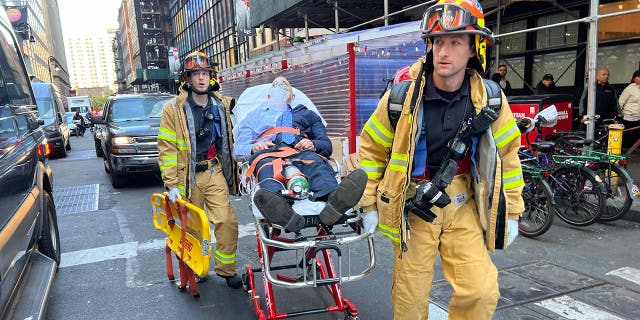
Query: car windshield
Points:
[69, 116]
[138, 109]
[45, 108]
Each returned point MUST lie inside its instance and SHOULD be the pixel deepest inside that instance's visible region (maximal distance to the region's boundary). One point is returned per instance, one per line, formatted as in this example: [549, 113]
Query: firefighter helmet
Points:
[458, 17]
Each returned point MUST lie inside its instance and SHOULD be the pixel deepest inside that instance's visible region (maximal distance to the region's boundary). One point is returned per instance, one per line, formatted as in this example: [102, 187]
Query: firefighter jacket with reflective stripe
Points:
[387, 157]
[177, 147]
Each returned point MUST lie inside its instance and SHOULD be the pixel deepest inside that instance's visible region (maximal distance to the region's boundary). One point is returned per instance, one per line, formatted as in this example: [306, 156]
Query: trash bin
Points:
[529, 106]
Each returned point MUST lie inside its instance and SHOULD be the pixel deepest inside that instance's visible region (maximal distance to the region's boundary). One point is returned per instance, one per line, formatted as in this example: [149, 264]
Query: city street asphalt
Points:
[113, 263]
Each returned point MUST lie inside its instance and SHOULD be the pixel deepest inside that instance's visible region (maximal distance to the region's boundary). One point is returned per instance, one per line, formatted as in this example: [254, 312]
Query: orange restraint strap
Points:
[275, 130]
[282, 152]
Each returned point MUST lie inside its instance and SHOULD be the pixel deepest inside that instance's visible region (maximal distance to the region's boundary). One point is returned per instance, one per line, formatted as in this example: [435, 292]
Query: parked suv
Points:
[29, 239]
[52, 112]
[128, 136]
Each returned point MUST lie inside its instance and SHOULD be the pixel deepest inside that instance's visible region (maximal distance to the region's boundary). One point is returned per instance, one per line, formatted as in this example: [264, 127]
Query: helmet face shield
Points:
[447, 17]
[197, 61]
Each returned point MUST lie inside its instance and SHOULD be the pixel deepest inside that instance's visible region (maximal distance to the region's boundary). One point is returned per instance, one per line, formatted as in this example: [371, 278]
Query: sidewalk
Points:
[633, 166]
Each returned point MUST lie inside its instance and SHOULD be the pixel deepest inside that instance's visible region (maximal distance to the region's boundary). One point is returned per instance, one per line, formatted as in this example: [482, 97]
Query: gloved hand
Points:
[512, 231]
[370, 221]
[174, 194]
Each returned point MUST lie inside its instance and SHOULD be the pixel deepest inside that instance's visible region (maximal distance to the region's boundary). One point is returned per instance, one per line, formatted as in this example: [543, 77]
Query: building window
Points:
[621, 60]
[559, 64]
[619, 27]
[557, 36]
[515, 43]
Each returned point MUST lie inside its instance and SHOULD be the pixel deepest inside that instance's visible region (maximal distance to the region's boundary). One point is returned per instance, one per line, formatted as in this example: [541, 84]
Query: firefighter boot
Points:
[277, 209]
[345, 197]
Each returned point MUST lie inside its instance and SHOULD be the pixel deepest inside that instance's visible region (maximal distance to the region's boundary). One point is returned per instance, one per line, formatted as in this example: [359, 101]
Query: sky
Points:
[88, 17]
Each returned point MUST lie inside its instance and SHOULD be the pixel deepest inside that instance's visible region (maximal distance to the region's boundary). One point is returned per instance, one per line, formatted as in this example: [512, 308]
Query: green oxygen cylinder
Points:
[296, 183]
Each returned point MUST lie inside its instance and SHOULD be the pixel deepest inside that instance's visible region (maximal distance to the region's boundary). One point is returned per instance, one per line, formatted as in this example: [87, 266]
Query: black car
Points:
[51, 110]
[128, 136]
[29, 239]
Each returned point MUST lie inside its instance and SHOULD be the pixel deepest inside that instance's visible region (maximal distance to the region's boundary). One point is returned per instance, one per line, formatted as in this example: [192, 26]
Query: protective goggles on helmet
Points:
[197, 61]
[449, 17]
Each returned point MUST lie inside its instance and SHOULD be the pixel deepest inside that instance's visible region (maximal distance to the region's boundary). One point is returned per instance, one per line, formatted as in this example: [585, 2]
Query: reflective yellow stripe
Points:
[166, 134]
[378, 132]
[400, 156]
[374, 169]
[182, 146]
[399, 162]
[391, 233]
[512, 179]
[182, 189]
[170, 161]
[225, 258]
[506, 134]
[398, 168]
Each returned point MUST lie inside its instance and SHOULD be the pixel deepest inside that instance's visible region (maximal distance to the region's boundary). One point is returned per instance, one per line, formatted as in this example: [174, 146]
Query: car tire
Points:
[99, 152]
[49, 243]
[62, 152]
[117, 180]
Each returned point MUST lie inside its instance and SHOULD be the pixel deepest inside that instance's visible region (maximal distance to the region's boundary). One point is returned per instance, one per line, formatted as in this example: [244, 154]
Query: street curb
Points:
[634, 211]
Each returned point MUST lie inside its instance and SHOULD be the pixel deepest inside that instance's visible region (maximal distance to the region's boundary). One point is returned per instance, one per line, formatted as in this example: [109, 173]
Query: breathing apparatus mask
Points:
[278, 95]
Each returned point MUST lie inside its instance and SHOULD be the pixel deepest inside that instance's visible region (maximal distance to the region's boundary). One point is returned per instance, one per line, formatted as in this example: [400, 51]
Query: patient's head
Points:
[280, 93]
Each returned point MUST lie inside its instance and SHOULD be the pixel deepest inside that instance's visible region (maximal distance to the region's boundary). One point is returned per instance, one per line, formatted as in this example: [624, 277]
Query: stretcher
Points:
[323, 258]
[188, 237]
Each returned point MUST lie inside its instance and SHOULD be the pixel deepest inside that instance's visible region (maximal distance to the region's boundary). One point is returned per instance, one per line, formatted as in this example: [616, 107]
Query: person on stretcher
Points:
[276, 136]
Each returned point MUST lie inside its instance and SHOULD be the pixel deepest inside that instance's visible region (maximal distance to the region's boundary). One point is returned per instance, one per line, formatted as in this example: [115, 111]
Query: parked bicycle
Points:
[578, 193]
[609, 167]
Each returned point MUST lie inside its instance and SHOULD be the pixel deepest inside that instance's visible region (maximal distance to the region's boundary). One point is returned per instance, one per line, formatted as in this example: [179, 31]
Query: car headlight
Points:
[121, 140]
[51, 128]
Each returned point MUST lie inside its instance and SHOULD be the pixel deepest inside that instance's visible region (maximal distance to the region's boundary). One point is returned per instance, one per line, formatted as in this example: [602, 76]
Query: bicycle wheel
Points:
[539, 207]
[564, 147]
[579, 195]
[617, 182]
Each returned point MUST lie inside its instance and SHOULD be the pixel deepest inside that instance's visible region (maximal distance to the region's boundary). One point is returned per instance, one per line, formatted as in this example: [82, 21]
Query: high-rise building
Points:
[141, 48]
[91, 62]
[208, 26]
[37, 25]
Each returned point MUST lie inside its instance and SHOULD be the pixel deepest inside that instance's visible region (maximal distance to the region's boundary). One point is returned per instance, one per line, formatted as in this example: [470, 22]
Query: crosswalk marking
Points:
[128, 250]
[627, 273]
[570, 308]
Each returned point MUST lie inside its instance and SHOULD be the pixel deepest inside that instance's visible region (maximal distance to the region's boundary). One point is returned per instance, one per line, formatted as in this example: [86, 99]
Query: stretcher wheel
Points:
[349, 317]
[245, 282]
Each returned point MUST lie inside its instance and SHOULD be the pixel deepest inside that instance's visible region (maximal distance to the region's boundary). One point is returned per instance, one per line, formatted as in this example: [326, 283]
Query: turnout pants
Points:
[212, 194]
[457, 234]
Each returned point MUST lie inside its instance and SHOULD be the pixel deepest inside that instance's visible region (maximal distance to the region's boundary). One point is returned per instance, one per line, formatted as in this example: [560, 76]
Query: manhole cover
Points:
[76, 199]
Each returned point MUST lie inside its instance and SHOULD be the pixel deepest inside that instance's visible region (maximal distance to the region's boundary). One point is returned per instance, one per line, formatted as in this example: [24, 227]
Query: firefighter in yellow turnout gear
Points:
[195, 144]
[478, 210]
